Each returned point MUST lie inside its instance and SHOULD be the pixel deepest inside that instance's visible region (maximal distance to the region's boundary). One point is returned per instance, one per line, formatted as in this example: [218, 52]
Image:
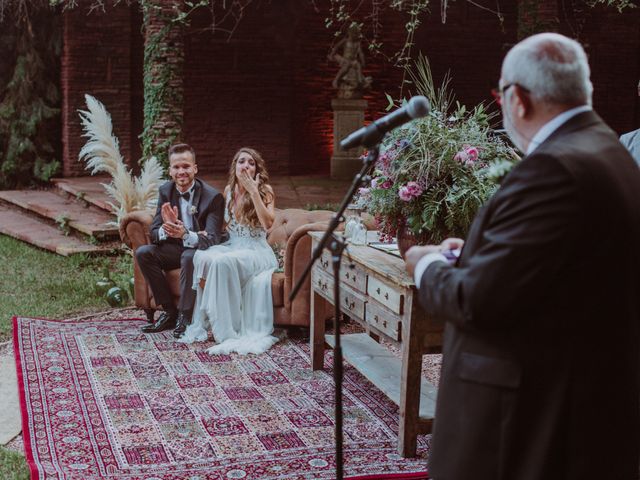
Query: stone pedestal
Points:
[348, 116]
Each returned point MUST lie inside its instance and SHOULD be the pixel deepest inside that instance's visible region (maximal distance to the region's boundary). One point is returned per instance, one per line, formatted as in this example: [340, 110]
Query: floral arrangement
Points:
[434, 173]
[279, 252]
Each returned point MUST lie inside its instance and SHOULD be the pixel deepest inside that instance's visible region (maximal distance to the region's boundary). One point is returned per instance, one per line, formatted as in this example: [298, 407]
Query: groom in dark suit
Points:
[189, 217]
[540, 359]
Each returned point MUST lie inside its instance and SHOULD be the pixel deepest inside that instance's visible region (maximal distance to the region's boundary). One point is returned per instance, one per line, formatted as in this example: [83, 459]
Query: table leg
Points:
[316, 337]
[410, 390]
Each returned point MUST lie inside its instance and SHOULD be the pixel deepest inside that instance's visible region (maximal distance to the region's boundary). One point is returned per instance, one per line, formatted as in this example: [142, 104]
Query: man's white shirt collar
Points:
[553, 124]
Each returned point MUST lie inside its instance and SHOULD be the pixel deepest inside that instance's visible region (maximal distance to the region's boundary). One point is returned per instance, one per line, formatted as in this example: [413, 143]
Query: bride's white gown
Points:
[236, 302]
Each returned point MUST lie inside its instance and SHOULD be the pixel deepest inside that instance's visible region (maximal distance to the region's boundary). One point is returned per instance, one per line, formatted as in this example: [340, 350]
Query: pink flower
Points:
[414, 188]
[405, 194]
[468, 155]
[472, 153]
[461, 157]
[388, 183]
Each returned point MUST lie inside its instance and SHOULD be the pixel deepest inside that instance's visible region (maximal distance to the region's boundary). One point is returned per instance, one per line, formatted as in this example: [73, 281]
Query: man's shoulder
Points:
[630, 138]
[166, 187]
[210, 190]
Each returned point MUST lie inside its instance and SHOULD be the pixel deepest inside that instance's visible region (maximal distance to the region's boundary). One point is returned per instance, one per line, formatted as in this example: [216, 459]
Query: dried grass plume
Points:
[102, 154]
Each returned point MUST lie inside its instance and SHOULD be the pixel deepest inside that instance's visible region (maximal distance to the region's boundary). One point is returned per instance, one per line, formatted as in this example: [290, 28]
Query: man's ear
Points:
[524, 106]
[195, 168]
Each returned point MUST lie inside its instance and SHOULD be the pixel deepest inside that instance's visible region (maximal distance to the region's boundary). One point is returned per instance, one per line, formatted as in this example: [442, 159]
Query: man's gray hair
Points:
[552, 67]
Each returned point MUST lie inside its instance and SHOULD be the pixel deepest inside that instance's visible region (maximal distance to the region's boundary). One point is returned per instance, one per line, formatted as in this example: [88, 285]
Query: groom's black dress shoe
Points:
[181, 324]
[166, 321]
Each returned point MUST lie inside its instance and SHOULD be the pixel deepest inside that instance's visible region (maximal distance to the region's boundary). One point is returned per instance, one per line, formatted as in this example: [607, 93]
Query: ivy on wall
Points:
[29, 96]
[163, 85]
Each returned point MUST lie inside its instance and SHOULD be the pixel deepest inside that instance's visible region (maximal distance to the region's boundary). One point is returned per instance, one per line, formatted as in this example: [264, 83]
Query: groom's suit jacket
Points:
[541, 365]
[208, 216]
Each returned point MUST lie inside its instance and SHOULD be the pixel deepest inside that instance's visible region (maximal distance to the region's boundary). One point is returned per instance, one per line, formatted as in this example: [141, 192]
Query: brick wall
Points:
[269, 86]
[96, 59]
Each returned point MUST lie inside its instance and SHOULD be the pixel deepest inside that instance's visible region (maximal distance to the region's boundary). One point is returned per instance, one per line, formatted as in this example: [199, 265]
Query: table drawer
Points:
[325, 261]
[383, 320]
[355, 277]
[351, 302]
[386, 294]
[321, 282]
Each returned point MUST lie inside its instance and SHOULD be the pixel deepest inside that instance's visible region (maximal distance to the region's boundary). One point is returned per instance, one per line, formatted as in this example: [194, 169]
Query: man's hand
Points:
[174, 229]
[452, 243]
[169, 213]
[414, 254]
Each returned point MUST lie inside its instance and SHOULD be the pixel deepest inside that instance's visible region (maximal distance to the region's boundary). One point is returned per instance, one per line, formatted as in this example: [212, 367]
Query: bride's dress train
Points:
[236, 302]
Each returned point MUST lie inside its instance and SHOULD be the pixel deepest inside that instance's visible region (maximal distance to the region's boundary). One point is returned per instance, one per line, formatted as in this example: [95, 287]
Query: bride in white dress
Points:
[235, 302]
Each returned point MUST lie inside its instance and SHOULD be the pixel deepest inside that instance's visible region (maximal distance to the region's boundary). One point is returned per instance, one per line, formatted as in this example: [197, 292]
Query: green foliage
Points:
[620, 5]
[160, 97]
[30, 99]
[62, 220]
[43, 284]
[13, 466]
[321, 206]
[434, 173]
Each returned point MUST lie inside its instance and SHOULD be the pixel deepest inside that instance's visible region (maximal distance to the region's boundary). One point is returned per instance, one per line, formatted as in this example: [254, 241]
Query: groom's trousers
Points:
[154, 260]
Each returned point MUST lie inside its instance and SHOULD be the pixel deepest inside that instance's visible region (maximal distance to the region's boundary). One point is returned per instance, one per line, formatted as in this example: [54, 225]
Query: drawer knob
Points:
[378, 290]
[386, 295]
[384, 324]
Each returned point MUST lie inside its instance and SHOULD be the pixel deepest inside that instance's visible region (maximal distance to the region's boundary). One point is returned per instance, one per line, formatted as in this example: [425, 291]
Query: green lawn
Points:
[37, 283]
[42, 284]
[13, 466]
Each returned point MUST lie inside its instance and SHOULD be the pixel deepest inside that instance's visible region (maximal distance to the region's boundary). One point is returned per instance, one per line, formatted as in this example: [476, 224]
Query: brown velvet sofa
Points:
[289, 228]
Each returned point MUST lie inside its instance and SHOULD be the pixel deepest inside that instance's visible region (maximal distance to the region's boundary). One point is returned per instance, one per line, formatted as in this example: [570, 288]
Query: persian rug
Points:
[101, 400]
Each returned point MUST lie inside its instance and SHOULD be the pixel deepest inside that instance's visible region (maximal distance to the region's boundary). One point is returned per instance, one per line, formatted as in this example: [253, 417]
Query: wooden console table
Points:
[379, 294]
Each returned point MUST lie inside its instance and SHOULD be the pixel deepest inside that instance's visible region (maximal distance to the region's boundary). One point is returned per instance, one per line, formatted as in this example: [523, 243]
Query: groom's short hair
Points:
[182, 147]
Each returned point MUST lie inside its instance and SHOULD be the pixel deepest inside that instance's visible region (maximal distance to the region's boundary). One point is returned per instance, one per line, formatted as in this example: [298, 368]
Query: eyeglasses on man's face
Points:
[499, 92]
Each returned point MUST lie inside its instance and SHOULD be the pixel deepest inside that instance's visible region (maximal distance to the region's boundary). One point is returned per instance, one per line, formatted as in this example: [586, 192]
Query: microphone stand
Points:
[336, 246]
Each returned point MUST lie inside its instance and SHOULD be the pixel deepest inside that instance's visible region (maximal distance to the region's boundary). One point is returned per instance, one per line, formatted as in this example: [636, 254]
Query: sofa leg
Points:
[150, 312]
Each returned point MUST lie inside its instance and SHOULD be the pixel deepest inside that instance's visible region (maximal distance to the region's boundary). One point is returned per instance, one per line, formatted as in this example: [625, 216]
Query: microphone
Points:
[372, 134]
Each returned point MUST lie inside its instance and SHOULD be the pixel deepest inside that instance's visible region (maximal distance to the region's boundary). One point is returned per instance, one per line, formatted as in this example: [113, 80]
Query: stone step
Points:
[21, 226]
[48, 204]
[88, 189]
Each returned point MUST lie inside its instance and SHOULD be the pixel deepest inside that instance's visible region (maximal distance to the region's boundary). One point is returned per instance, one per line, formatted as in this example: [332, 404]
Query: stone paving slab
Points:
[36, 232]
[88, 220]
[291, 191]
[10, 417]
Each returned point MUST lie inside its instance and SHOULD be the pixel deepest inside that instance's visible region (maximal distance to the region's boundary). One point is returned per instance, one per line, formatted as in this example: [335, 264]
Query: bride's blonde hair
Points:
[247, 213]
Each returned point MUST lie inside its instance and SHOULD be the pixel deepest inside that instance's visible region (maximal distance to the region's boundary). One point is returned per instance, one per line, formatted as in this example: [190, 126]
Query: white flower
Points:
[193, 210]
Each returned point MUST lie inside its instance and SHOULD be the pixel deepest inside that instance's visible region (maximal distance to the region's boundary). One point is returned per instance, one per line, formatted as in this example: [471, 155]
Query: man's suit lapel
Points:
[197, 192]
[173, 199]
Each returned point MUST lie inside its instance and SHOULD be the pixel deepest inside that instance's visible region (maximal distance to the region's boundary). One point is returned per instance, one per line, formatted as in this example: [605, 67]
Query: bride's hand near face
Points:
[249, 184]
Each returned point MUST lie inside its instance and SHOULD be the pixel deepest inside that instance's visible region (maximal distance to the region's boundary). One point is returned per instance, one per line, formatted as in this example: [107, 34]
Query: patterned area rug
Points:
[100, 400]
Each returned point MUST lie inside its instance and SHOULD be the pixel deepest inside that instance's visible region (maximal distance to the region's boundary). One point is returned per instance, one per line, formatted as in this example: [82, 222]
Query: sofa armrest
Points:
[134, 232]
[134, 228]
[297, 256]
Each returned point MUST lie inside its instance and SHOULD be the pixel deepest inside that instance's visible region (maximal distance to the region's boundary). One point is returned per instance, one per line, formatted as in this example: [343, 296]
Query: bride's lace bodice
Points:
[240, 230]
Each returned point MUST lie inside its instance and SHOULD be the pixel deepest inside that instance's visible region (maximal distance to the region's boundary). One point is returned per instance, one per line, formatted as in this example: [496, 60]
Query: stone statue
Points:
[349, 81]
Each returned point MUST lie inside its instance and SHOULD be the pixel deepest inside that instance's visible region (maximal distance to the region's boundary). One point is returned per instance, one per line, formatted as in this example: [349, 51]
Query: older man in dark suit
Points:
[189, 217]
[541, 365]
